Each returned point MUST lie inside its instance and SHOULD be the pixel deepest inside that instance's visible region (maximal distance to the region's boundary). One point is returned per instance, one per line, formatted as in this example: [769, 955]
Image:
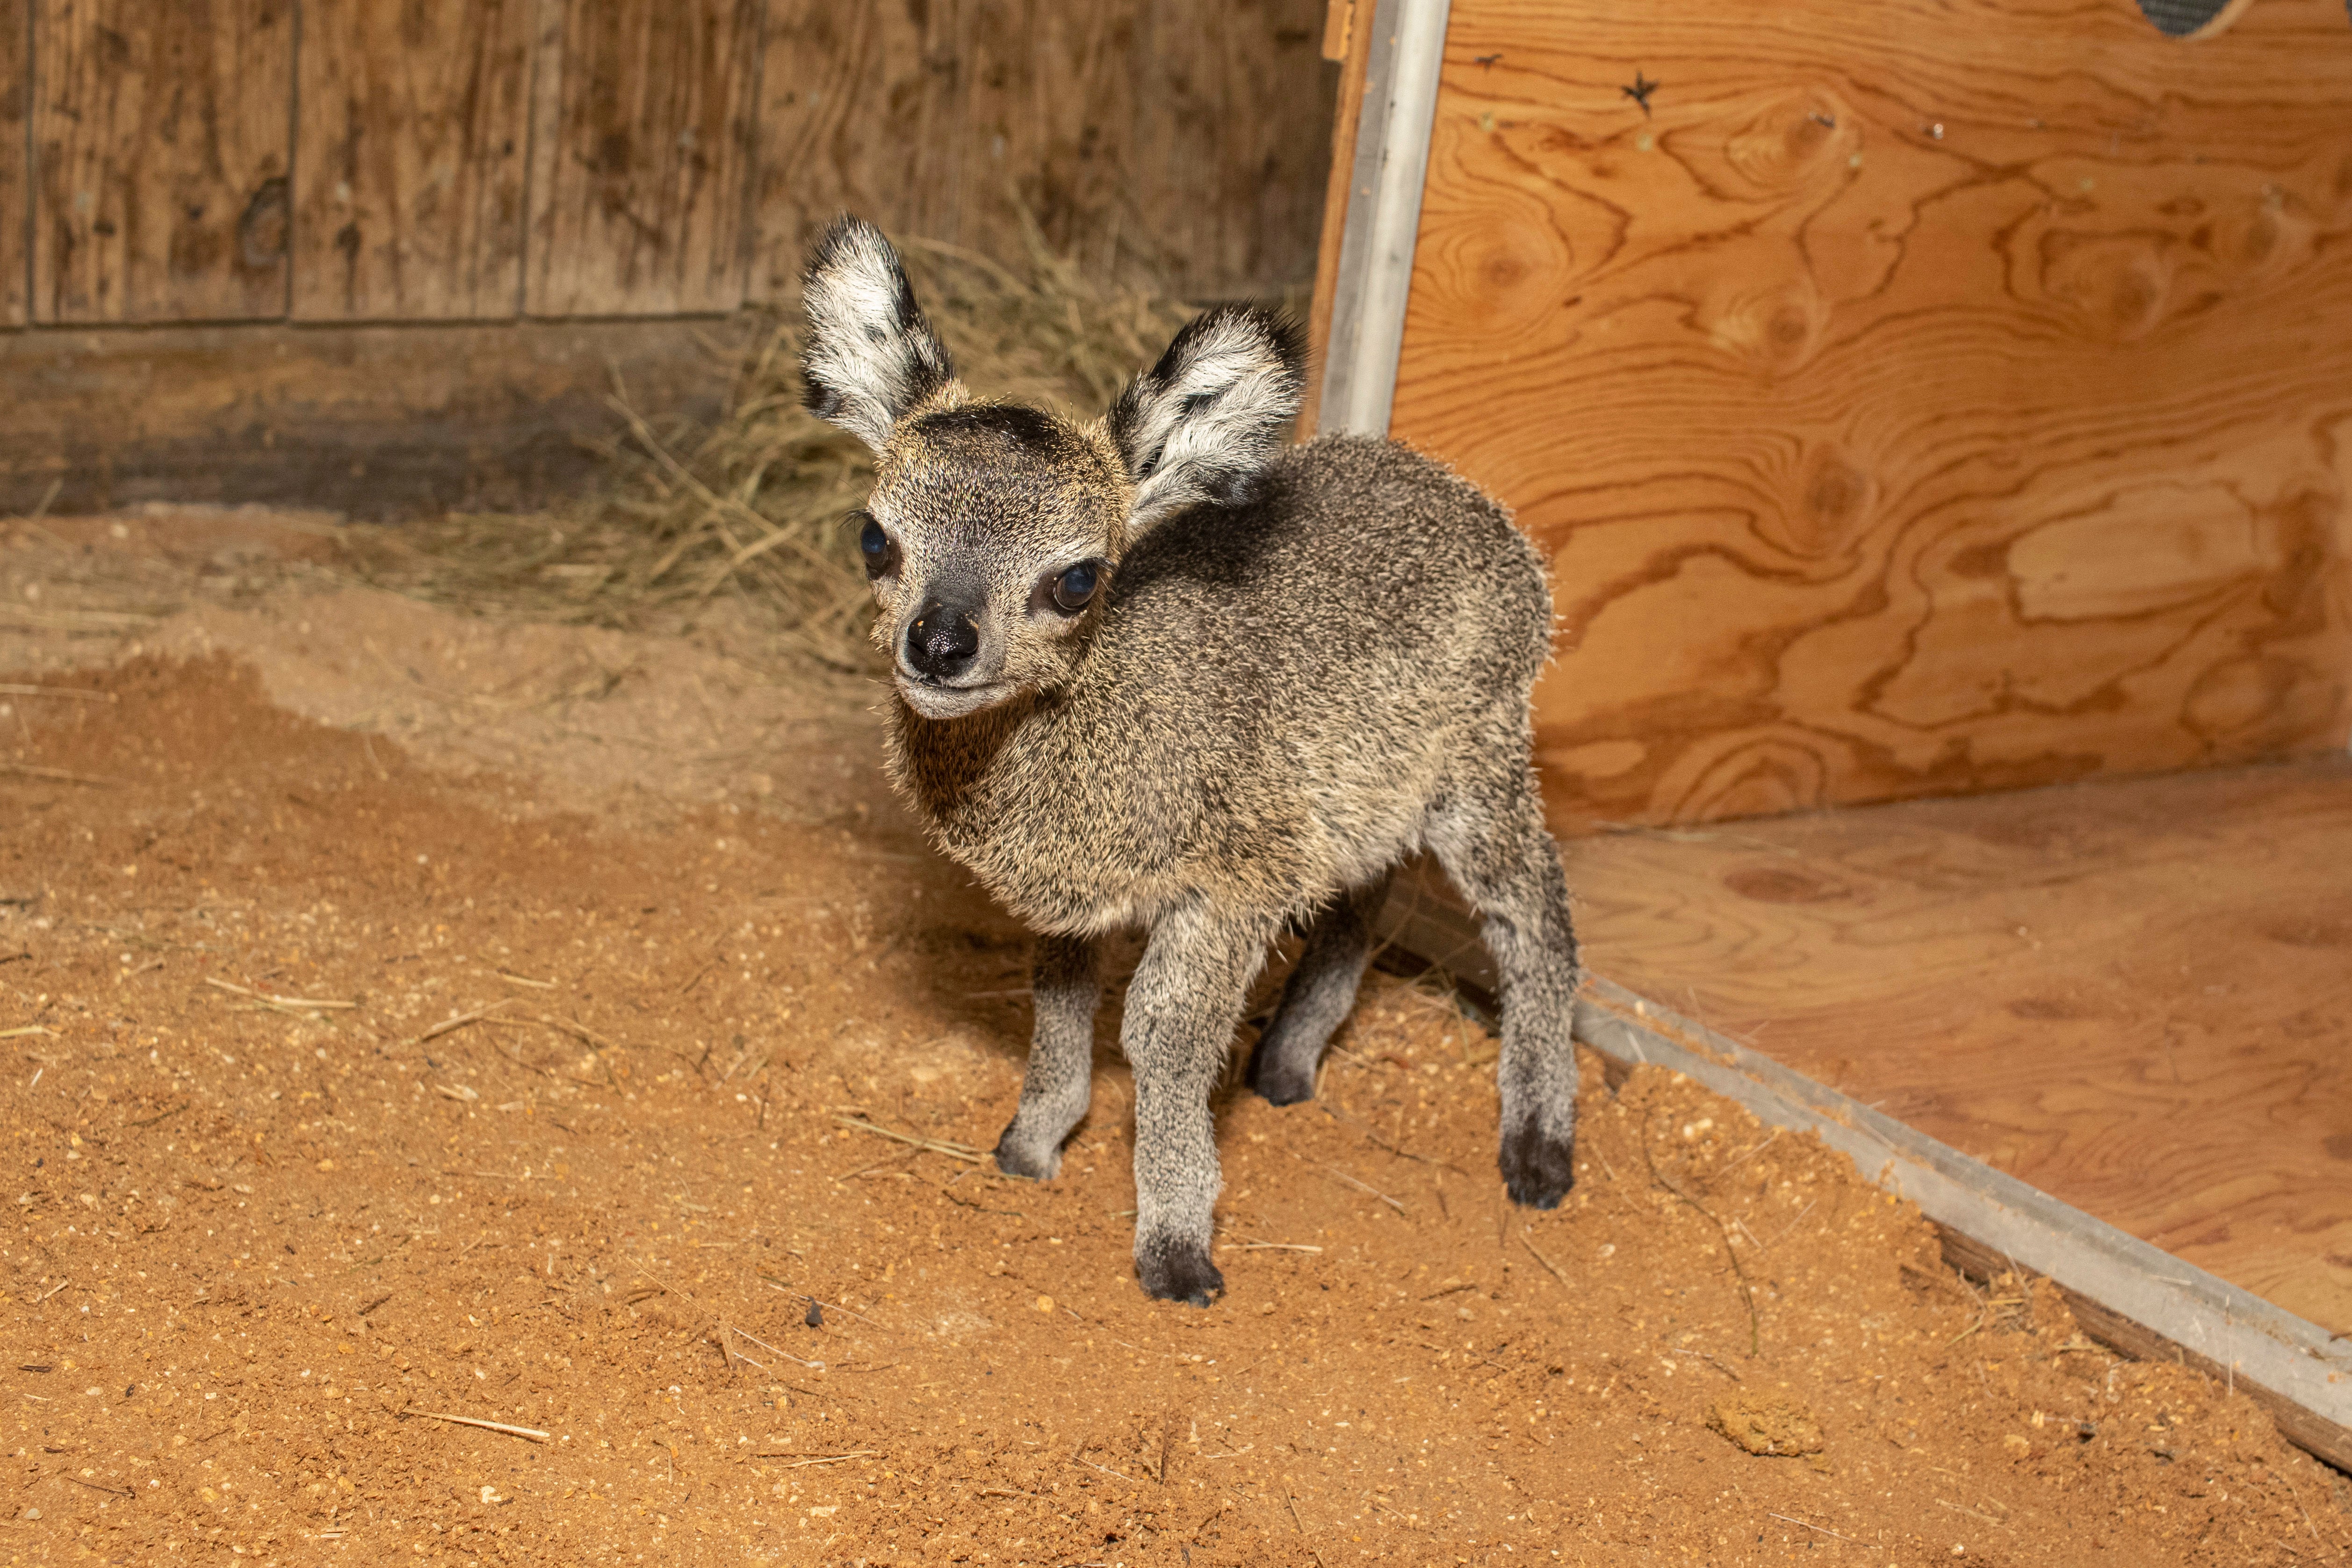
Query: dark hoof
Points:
[1537, 1171]
[1014, 1161]
[1276, 1084]
[1180, 1272]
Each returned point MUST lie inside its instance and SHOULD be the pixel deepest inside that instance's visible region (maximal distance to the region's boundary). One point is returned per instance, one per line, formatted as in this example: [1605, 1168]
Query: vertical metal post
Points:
[1375, 275]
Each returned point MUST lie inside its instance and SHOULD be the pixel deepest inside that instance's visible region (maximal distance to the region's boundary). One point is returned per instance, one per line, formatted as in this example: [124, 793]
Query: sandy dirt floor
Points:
[410, 1017]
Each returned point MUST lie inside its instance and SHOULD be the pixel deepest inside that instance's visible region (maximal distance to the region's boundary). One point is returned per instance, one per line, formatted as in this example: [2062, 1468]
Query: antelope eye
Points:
[1075, 588]
[875, 545]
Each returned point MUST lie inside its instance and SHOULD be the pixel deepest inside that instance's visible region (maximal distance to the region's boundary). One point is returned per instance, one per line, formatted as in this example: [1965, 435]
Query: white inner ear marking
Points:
[1219, 417]
[872, 369]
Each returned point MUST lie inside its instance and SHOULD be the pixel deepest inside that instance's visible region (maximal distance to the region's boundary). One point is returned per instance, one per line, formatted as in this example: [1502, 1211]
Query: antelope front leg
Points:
[1065, 991]
[1181, 1010]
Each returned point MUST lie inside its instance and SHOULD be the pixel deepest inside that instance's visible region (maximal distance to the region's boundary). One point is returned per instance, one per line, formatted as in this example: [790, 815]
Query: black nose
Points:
[941, 641]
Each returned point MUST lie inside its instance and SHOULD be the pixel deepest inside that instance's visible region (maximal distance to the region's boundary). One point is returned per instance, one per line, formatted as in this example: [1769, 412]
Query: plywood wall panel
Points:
[409, 187]
[1915, 399]
[161, 142]
[638, 200]
[1188, 140]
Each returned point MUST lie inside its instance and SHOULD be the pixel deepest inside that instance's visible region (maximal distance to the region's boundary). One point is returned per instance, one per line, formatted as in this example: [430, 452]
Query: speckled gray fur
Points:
[1300, 665]
[1318, 995]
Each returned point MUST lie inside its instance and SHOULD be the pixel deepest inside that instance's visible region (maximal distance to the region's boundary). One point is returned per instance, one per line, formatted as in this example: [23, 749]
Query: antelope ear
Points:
[871, 357]
[1203, 424]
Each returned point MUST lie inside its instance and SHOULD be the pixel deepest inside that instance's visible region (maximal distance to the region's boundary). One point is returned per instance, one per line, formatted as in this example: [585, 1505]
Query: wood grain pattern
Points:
[1918, 398]
[1190, 138]
[468, 159]
[1234, 151]
[162, 140]
[409, 188]
[840, 84]
[2134, 994]
[380, 422]
[642, 175]
[15, 105]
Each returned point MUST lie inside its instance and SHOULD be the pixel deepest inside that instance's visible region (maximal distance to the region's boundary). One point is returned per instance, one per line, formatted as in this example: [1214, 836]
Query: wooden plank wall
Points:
[412, 128]
[161, 140]
[1914, 399]
[1189, 138]
[645, 169]
[226, 213]
[328, 160]
[14, 104]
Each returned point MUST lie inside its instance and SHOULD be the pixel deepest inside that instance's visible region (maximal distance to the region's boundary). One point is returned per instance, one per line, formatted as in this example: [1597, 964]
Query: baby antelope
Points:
[1164, 671]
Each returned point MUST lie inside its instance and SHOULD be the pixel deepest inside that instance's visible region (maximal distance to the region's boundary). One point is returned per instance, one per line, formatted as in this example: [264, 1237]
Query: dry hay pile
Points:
[752, 507]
